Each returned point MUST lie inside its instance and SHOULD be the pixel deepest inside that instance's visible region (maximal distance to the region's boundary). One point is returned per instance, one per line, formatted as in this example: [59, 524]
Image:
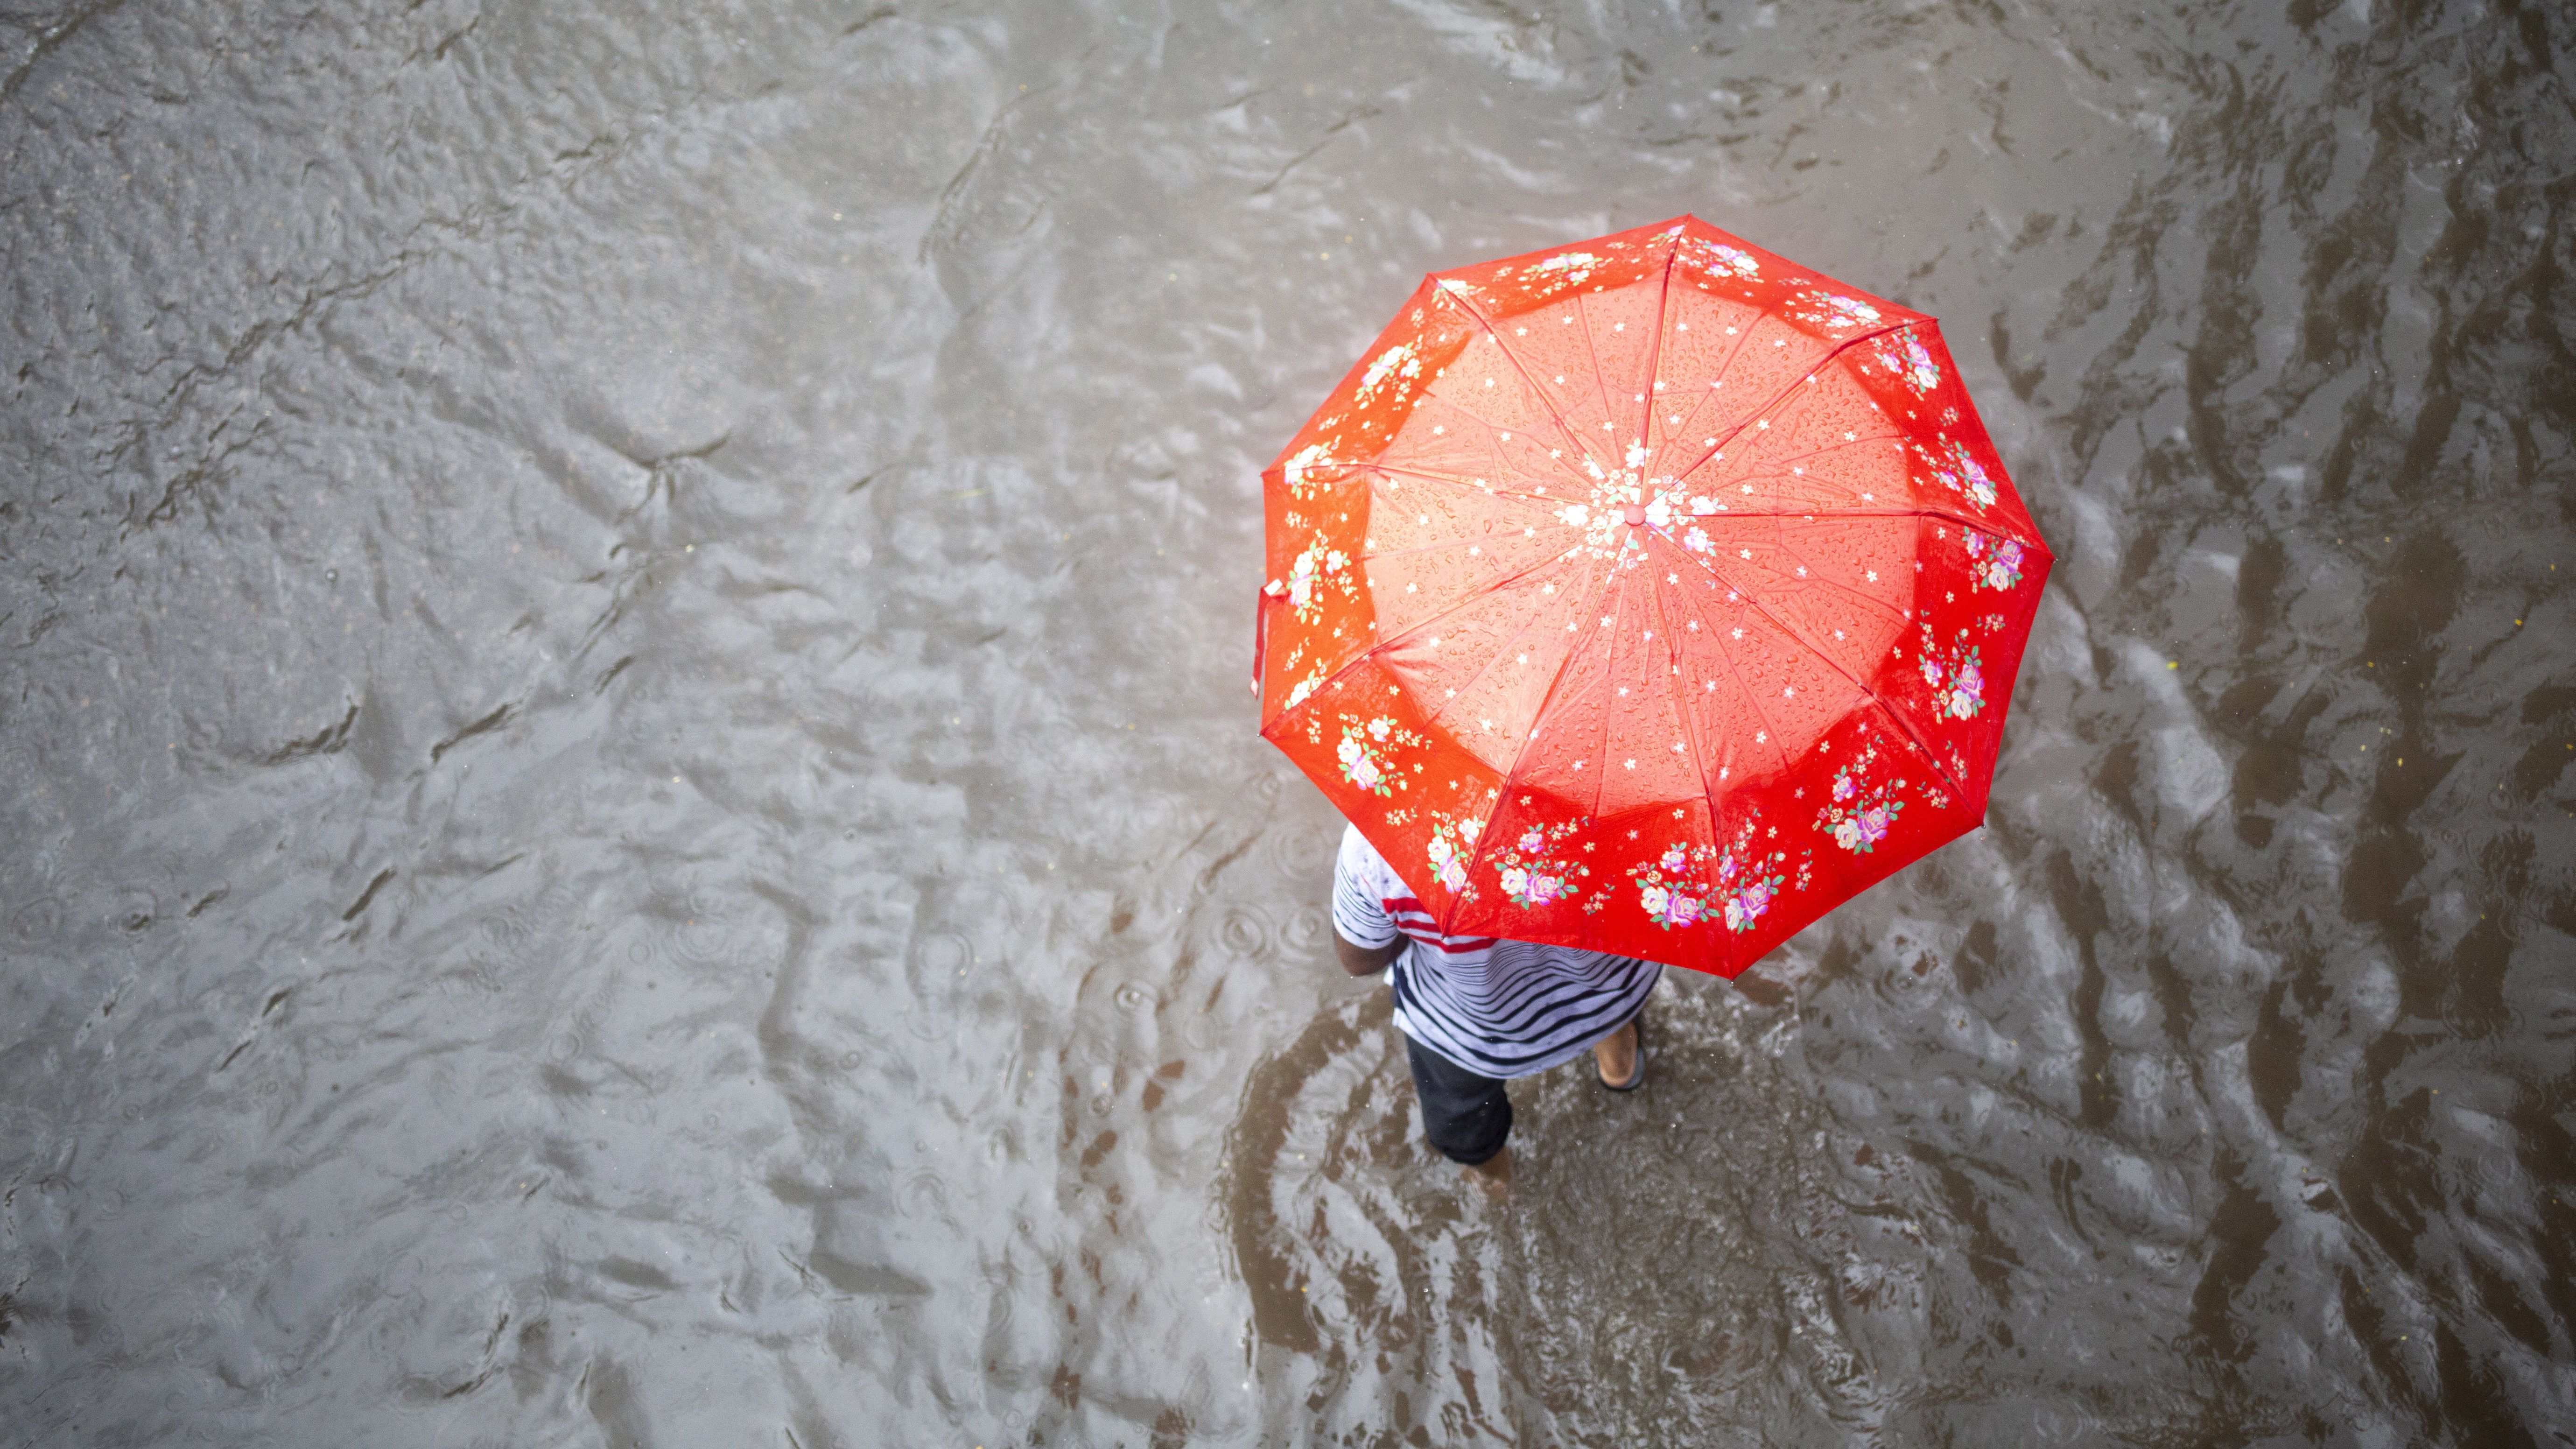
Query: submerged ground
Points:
[628, 808]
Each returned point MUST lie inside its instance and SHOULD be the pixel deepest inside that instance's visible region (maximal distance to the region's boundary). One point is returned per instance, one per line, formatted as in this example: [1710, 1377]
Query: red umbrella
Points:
[1653, 595]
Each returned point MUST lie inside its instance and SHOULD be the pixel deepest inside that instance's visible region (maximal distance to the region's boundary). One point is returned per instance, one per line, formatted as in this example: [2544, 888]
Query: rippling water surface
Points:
[628, 811]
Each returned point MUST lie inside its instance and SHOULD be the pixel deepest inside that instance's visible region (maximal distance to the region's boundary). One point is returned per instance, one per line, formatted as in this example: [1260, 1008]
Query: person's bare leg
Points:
[1494, 1174]
[1617, 1056]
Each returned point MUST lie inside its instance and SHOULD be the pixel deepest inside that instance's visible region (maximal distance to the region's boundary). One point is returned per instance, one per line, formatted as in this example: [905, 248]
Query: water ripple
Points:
[743, 534]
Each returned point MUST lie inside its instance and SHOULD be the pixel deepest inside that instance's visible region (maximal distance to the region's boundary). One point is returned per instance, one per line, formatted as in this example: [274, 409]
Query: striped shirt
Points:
[1497, 1008]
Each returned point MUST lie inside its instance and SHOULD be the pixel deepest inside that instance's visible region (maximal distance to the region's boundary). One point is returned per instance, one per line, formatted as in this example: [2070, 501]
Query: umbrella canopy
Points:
[1652, 595]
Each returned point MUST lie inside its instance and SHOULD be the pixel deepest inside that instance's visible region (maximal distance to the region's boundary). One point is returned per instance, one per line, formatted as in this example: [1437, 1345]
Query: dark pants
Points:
[1466, 1116]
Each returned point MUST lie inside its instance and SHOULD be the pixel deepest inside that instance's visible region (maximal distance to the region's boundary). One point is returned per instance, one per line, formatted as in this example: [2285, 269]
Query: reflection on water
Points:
[628, 812]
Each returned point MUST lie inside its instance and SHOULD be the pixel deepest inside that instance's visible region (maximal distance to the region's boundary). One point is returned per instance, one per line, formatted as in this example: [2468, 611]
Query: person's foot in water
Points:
[1621, 1059]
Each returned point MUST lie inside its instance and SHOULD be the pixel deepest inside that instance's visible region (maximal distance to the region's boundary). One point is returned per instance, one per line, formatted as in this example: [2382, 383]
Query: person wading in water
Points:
[1477, 1011]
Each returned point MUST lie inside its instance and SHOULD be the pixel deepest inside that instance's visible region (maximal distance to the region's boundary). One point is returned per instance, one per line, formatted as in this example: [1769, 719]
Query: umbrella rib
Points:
[1846, 589]
[1410, 472]
[1839, 349]
[1431, 477]
[1609, 671]
[1438, 547]
[1373, 553]
[1600, 388]
[1547, 701]
[1487, 668]
[1703, 399]
[1810, 645]
[1985, 526]
[1791, 460]
[1998, 528]
[1655, 353]
[1820, 579]
[1690, 731]
[1564, 429]
[1724, 514]
[1893, 435]
[1745, 686]
[1689, 728]
[1463, 601]
[1980, 525]
[1834, 584]
[1382, 645]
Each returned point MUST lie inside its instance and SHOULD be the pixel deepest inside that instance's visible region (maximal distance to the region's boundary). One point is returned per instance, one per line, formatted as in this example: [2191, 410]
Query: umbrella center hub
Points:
[1636, 515]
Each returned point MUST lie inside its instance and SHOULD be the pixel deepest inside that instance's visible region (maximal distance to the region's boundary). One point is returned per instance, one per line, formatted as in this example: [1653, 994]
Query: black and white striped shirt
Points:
[1498, 1008]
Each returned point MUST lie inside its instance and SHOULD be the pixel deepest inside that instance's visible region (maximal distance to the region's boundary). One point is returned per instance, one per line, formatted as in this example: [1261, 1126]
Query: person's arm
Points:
[1365, 960]
[1365, 938]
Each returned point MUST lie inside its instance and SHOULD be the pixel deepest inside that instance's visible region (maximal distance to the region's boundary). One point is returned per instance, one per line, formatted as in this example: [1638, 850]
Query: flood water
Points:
[629, 812]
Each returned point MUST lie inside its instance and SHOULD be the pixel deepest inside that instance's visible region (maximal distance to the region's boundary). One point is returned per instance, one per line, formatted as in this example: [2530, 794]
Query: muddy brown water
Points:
[628, 811]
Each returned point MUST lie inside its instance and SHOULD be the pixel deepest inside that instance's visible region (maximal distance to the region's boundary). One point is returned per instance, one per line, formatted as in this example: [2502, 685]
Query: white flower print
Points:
[1400, 362]
[1958, 470]
[1672, 888]
[1294, 471]
[1319, 566]
[1604, 517]
[1750, 901]
[1831, 310]
[1906, 356]
[1367, 753]
[1720, 260]
[1860, 812]
[1448, 851]
[1530, 874]
[1997, 560]
[1956, 675]
[1299, 692]
[1565, 269]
